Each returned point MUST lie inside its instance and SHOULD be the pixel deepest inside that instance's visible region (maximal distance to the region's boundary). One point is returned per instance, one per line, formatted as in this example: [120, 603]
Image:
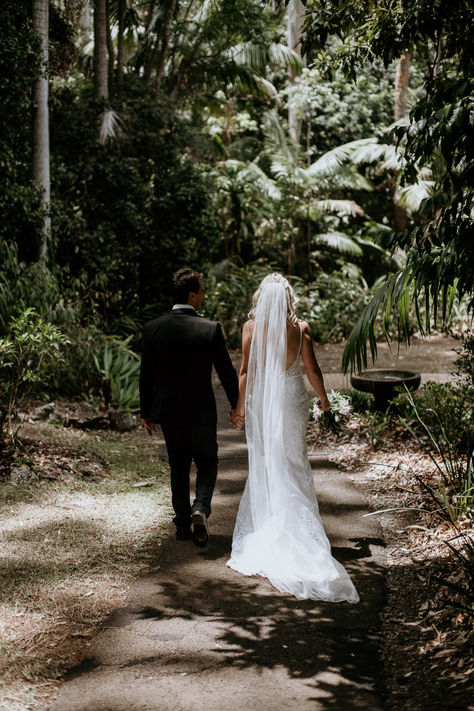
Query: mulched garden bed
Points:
[428, 640]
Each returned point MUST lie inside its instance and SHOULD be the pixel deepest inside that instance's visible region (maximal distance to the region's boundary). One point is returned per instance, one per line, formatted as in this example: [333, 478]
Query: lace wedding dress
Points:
[278, 532]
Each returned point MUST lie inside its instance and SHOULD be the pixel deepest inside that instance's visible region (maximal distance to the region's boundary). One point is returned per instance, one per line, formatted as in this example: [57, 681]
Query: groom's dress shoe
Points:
[183, 533]
[200, 529]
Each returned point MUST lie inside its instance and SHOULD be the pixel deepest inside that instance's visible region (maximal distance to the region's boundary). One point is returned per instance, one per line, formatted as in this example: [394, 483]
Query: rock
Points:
[19, 476]
[44, 411]
[88, 468]
[88, 423]
[122, 421]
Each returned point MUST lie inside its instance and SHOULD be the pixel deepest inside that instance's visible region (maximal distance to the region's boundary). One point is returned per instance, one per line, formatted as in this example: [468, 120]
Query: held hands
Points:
[149, 426]
[237, 419]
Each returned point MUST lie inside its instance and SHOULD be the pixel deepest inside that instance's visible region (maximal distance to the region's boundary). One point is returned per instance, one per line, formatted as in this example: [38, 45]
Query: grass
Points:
[69, 553]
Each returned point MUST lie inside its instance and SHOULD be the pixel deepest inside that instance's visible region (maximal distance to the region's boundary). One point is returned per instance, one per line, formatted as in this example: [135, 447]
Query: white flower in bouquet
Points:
[337, 415]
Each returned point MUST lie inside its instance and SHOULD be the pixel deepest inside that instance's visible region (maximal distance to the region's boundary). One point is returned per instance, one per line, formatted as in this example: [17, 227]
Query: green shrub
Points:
[29, 352]
[453, 493]
[229, 289]
[465, 360]
[332, 304]
[447, 409]
[360, 402]
[119, 368]
[377, 424]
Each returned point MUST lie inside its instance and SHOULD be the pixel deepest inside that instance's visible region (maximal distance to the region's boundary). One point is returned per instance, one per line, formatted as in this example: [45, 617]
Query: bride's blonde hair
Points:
[291, 298]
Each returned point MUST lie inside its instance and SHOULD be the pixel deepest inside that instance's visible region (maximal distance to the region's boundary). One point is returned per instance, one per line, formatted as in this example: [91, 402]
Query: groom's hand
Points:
[236, 419]
[149, 426]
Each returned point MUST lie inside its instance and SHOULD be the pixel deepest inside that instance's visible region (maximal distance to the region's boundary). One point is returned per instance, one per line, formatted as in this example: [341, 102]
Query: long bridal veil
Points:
[278, 531]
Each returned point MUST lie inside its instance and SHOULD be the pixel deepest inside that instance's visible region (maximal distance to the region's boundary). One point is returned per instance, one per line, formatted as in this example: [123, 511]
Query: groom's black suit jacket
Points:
[178, 352]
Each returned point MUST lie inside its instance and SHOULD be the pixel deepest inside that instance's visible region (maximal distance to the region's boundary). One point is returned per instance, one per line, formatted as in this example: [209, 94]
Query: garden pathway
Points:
[197, 635]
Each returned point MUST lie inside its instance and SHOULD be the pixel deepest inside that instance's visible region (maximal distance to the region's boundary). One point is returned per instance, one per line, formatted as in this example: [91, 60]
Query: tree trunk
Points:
[400, 218]
[401, 86]
[110, 47]
[295, 19]
[41, 174]
[437, 59]
[121, 30]
[165, 44]
[85, 26]
[101, 84]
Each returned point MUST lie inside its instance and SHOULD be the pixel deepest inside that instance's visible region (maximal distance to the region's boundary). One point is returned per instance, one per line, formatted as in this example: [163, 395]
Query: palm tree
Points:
[416, 277]
[295, 17]
[312, 194]
[186, 47]
[401, 86]
[41, 171]
[101, 80]
[400, 219]
[246, 197]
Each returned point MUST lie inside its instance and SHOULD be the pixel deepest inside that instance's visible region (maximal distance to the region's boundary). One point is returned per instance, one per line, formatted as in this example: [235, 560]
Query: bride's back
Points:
[293, 341]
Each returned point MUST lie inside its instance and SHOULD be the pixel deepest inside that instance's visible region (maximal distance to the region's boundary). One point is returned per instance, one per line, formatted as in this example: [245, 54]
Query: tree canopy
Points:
[201, 134]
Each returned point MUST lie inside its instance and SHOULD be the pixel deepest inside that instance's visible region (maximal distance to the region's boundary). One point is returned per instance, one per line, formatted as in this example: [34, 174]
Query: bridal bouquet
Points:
[337, 415]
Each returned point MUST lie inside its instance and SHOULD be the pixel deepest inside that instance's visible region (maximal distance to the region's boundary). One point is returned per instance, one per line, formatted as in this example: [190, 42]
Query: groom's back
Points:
[178, 355]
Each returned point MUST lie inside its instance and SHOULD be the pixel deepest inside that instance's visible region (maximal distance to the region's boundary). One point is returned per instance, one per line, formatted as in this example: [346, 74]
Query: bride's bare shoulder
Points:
[247, 328]
[300, 324]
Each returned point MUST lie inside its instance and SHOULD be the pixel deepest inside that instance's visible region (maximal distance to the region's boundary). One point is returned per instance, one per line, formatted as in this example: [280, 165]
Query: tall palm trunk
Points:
[85, 25]
[400, 218]
[165, 44]
[121, 29]
[41, 174]
[295, 19]
[101, 84]
[401, 86]
[110, 48]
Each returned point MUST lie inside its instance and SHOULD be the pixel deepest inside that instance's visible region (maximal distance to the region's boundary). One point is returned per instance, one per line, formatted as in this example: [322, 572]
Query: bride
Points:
[278, 532]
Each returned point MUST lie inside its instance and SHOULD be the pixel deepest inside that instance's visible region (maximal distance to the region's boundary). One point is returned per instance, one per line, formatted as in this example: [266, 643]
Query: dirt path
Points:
[197, 635]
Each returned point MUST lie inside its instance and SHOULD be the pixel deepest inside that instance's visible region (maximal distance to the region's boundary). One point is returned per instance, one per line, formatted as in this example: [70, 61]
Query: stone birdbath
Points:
[382, 383]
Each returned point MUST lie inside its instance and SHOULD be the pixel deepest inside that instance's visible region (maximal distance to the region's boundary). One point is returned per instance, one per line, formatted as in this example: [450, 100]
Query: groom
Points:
[179, 350]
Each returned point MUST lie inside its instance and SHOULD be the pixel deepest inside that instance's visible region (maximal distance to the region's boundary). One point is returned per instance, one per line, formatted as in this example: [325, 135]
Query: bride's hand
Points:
[325, 404]
[237, 419]
[238, 422]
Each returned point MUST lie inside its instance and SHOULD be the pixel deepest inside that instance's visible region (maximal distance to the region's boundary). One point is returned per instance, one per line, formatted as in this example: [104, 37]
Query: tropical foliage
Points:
[180, 153]
[28, 354]
[437, 137]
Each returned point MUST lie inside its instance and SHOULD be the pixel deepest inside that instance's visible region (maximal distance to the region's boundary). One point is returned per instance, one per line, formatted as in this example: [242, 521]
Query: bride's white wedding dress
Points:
[278, 532]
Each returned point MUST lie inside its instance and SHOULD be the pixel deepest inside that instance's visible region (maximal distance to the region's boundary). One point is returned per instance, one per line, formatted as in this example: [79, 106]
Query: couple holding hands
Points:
[278, 532]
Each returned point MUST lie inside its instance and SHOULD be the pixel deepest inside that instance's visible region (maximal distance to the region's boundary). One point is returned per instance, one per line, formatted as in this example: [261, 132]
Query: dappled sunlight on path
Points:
[197, 635]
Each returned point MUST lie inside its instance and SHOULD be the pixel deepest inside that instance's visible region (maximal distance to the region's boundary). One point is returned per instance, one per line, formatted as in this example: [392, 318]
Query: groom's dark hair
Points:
[185, 281]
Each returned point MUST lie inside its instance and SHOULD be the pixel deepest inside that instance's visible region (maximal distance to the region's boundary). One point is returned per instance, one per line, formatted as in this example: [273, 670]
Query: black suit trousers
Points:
[185, 443]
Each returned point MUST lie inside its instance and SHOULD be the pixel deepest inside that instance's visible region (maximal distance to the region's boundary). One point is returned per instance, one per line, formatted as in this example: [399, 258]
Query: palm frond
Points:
[344, 178]
[368, 245]
[397, 293]
[287, 171]
[260, 180]
[333, 159]
[205, 10]
[339, 207]
[388, 157]
[278, 145]
[260, 57]
[110, 126]
[340, 243]
[216, 73]
[266, 86]
[412, 196]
